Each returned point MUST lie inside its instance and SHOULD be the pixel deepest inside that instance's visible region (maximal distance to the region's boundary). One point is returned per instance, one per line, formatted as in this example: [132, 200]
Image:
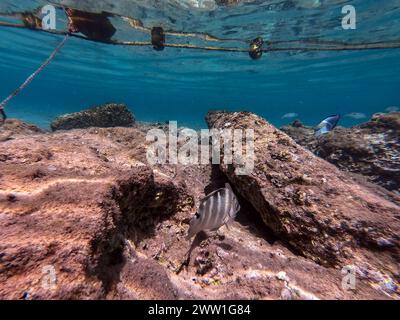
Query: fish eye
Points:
[197, 215]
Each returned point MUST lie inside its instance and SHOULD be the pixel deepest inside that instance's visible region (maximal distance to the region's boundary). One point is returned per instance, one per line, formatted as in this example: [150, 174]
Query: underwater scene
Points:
[200, 150]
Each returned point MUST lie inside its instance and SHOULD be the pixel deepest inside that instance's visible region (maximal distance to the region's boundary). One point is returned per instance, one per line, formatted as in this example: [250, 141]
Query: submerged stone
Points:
[105, 116]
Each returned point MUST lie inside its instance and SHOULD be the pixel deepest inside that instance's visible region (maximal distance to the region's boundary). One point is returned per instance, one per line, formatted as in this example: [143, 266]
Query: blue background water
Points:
[183, 85]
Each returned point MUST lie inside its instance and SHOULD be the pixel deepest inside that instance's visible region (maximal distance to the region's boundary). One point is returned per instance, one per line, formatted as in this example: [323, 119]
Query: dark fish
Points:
[327, 125]
[217, 209]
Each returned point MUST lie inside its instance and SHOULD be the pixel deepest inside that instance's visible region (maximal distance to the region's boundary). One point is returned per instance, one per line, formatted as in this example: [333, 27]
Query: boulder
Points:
[105, 116]
[318, 210]
[371, 149]
[67, 204]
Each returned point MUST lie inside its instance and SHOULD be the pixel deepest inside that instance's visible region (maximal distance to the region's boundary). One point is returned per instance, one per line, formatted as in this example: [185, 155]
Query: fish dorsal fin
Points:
[210, 195]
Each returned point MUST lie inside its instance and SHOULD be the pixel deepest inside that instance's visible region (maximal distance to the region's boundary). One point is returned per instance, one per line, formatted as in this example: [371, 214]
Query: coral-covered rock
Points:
[108, 115]
[371, 149]
[320, 211]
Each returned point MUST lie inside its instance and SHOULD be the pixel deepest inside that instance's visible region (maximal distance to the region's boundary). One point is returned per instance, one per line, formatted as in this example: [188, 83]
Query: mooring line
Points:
[32, 76]
[255, 51]
[330, 45]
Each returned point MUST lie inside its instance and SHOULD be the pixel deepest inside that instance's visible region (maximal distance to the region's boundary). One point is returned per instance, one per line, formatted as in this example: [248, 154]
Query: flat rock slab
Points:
[106, 116]
[317, 209]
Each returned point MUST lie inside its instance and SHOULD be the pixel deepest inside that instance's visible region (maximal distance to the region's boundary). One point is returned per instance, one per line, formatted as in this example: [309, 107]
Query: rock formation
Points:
[67, 201]
[371, 149]
[13, 128]
[106, 116]
[84, 216]
[318, 210]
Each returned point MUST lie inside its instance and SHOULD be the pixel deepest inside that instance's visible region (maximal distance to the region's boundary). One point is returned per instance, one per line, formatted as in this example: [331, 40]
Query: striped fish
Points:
[327, 125]
[217, 209]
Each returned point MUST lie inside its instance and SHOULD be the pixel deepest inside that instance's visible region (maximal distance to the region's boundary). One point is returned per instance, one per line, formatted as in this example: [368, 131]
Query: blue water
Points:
[183, 85]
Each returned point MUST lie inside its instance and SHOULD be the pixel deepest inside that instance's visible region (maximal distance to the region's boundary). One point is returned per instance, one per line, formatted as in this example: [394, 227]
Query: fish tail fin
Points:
[229, 224]
[191, 232]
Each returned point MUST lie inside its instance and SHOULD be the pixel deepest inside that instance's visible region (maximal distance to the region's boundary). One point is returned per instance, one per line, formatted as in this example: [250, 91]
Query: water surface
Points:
[178, 84]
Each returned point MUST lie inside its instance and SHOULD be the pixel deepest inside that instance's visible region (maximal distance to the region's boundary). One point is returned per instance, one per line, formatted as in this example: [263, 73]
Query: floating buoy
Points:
[158, 38]
[256, 48]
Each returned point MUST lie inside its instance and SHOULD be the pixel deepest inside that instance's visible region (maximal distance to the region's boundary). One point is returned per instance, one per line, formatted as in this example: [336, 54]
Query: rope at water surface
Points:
[255, 50]
[32, 76]
[304, 45]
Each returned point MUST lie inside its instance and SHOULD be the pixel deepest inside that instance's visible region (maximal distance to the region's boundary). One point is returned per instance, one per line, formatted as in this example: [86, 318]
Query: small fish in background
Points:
[356, 115]
[327, 125]
[392, 109]
[290, 115]
[217, 209]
